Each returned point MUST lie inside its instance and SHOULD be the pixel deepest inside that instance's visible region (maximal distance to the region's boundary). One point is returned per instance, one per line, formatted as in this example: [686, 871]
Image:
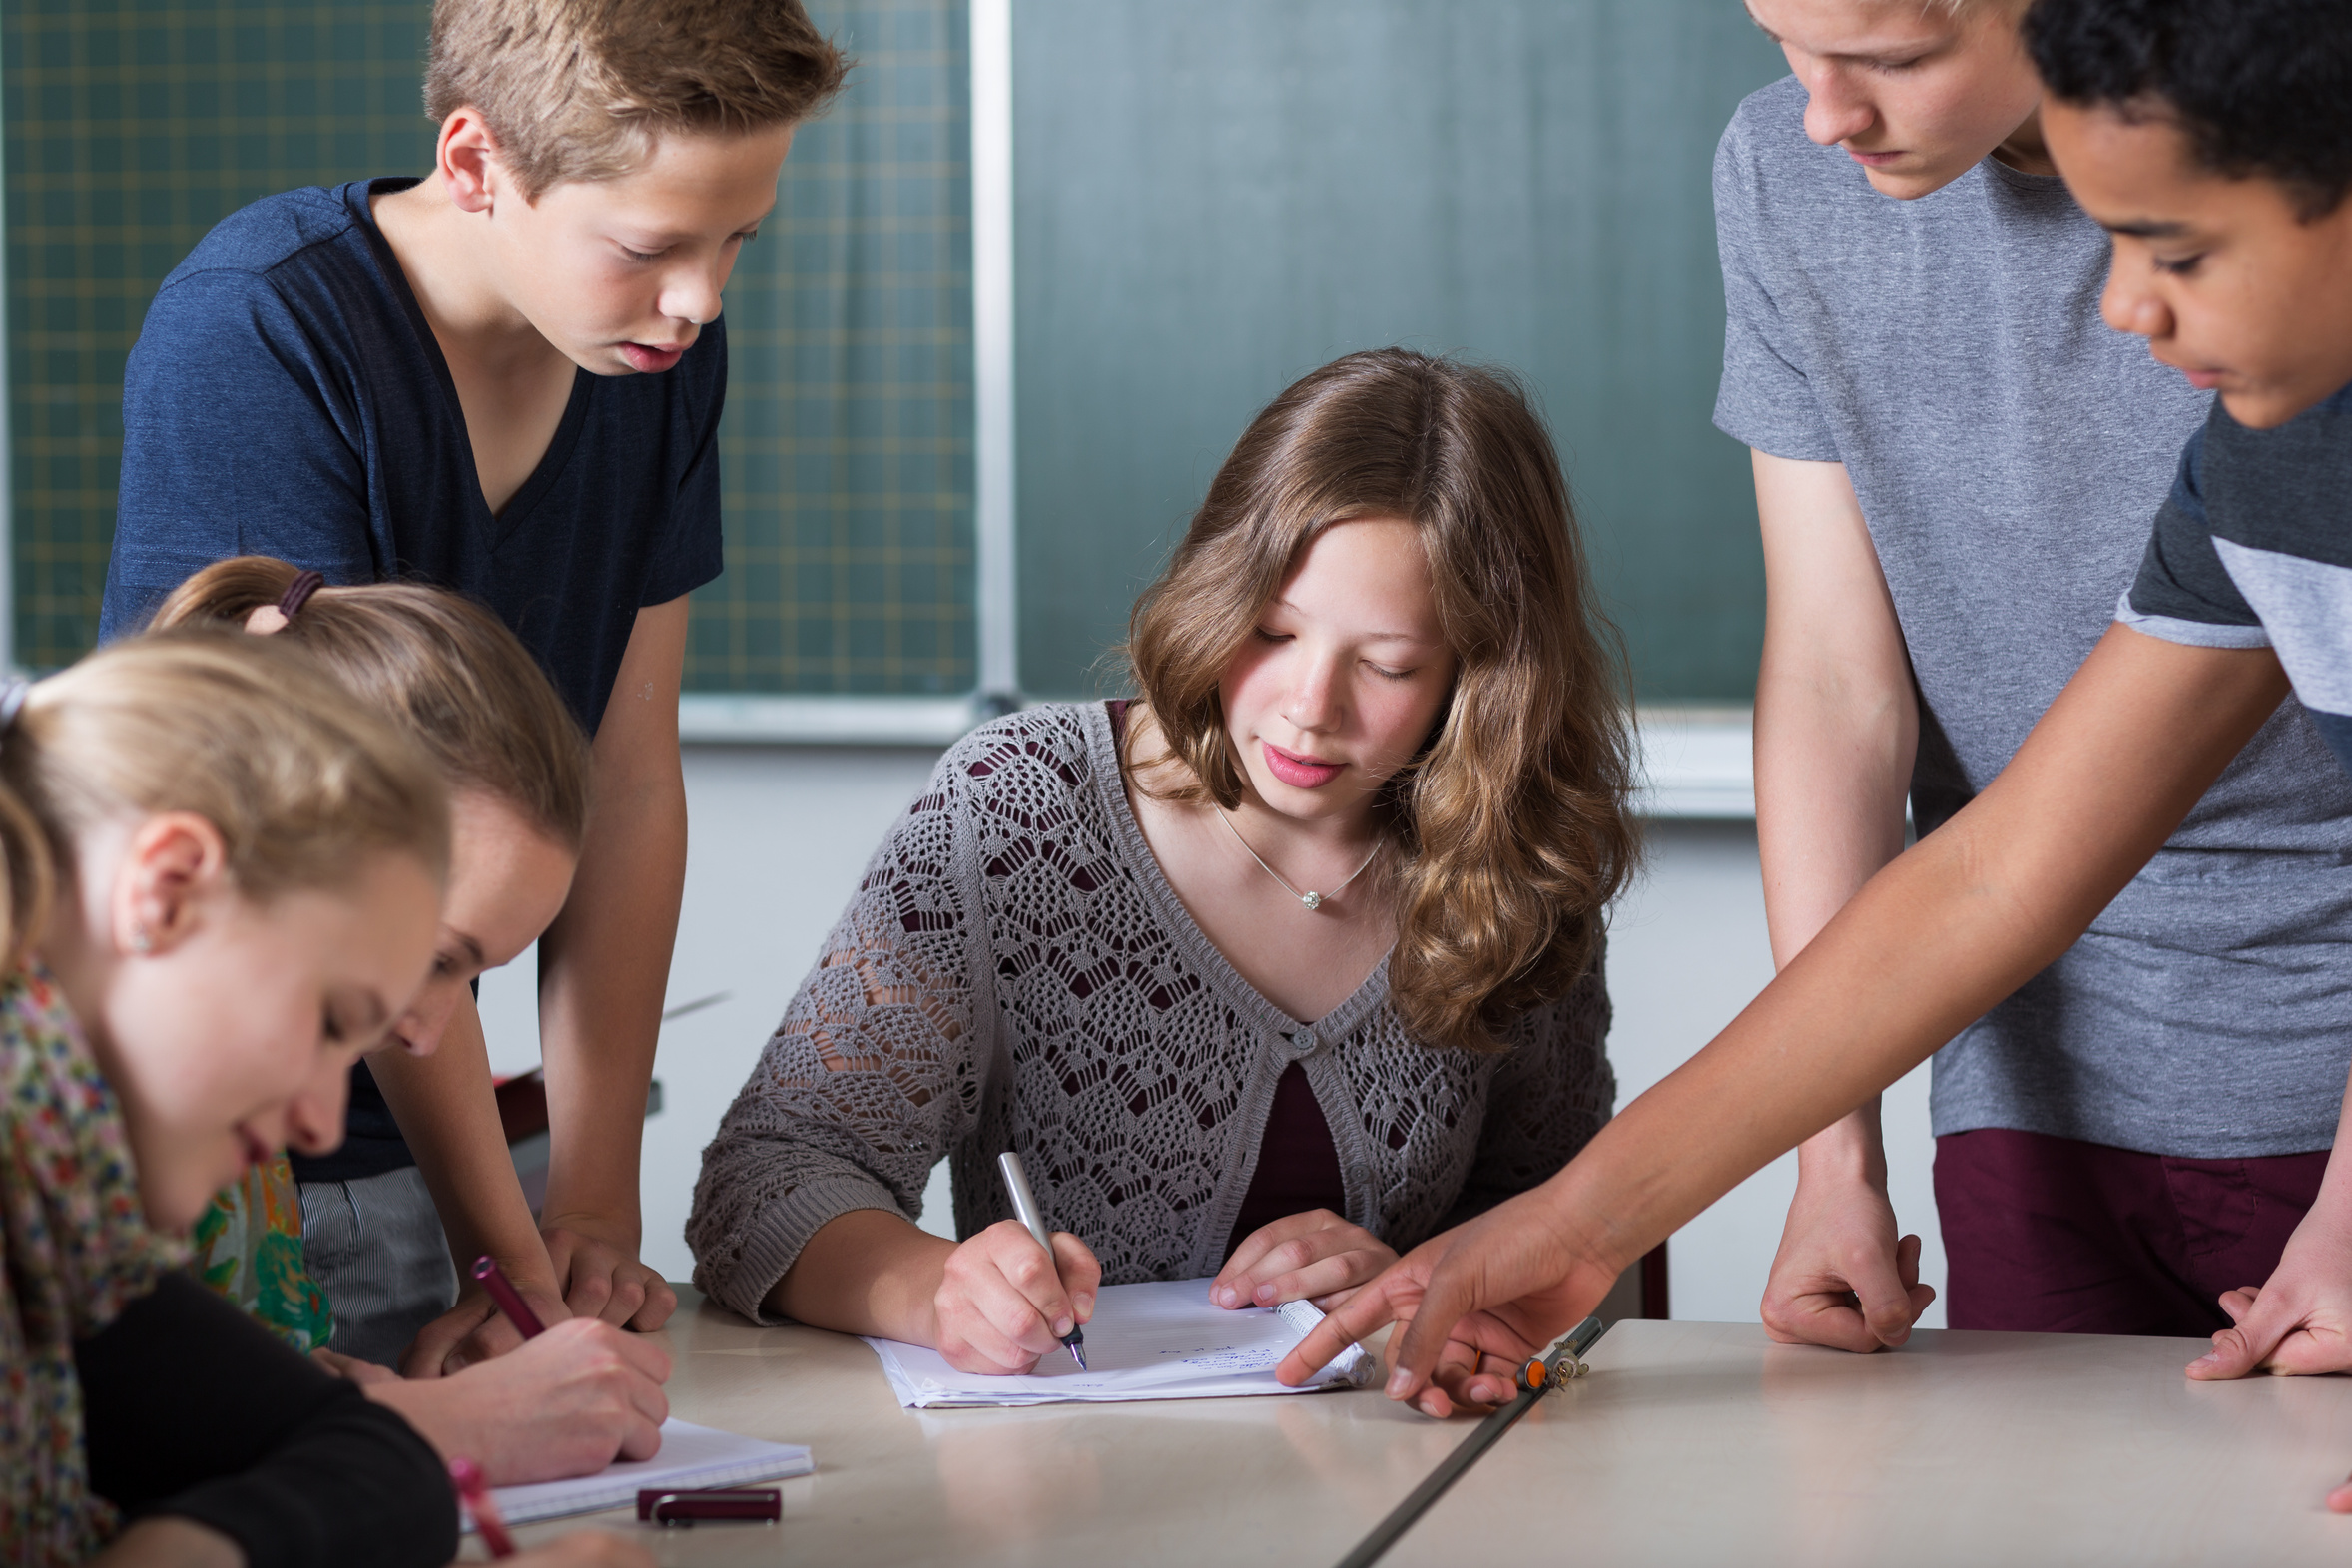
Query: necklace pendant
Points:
[1312, 901]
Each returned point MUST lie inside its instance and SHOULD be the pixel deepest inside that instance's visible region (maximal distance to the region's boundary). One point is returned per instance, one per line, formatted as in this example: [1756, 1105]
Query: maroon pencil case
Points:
[658, 1505]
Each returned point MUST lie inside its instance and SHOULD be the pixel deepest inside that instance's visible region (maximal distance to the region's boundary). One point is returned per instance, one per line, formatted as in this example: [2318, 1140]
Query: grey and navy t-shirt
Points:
[2253, 549]
[2008, 449]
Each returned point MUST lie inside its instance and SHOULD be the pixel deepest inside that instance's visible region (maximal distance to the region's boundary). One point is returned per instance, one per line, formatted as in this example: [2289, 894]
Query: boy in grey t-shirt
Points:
[1956, 462]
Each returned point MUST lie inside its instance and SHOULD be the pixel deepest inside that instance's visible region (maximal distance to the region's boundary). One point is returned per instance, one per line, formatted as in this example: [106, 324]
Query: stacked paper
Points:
[1162, 1341]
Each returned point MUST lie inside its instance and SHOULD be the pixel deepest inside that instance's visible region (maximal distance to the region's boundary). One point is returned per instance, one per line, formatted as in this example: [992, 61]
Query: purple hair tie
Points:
[298, 593]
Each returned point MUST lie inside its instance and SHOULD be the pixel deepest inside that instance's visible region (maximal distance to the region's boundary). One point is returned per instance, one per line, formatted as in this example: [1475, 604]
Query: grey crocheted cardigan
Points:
[1015, 973]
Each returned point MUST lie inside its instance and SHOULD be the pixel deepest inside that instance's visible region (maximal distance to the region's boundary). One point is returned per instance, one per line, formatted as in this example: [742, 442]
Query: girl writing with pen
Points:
[451, 677]
[1279, 967]
[219, 883]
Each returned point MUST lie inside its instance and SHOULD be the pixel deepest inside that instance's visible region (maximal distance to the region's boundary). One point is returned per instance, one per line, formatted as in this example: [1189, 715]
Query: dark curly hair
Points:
[2259, 87]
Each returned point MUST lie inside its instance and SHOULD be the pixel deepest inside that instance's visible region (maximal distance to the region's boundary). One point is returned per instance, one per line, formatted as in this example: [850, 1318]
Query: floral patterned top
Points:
[249, 1248]
[78, 1251]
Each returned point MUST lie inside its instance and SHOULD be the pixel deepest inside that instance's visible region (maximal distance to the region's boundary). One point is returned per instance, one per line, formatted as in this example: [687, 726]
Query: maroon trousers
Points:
[2053, 1236]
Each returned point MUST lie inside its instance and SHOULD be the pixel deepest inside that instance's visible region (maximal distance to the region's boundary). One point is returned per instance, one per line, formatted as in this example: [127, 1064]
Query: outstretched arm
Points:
[1961, 920]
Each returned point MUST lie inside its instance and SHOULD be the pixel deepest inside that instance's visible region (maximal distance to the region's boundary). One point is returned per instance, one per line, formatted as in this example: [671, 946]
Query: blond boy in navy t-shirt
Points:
[504, 378]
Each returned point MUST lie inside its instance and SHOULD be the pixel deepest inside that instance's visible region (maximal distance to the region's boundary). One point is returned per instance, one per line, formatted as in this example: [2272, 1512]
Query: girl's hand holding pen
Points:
[1001, 1310]
[566, 1403]
[1316, 1256]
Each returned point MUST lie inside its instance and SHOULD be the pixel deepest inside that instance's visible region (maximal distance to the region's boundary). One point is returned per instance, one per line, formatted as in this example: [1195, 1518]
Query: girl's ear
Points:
[171, 869]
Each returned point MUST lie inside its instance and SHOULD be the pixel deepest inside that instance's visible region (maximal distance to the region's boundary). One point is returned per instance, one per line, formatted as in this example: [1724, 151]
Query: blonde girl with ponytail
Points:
[221, 883]
[451, 677]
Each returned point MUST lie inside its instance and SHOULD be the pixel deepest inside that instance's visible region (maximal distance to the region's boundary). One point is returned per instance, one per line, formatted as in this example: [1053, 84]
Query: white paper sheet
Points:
[1162, 1341]
[691, 1456]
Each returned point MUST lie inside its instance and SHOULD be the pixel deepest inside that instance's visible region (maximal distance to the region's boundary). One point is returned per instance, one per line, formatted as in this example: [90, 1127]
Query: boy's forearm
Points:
[1851, 1149]
[447, 1108]
[1837, 715]
[604, 965]
[2335, 1187]
[1961, 920]
[1837, 730]
[867, 1272]
[1833, 757]
[1833, 769]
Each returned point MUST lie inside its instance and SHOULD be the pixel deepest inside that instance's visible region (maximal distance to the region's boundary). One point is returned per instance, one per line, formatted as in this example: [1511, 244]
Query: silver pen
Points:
[1024, 1205]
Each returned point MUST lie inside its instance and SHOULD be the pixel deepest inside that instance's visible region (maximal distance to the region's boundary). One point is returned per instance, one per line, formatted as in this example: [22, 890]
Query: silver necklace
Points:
[1312, 901]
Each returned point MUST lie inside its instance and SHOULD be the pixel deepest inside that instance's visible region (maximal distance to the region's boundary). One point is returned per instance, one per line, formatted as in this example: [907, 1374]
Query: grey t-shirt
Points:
[2009, 450]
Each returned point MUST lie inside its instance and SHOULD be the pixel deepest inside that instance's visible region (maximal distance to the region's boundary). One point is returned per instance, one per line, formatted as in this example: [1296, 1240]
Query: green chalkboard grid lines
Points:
[132, 127]
[847, 444]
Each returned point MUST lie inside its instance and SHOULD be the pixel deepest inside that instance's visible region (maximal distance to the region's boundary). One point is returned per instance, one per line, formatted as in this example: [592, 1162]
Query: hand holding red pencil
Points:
[518, 1311]
[581, 1549]
[477, 1328]
[473, 1494]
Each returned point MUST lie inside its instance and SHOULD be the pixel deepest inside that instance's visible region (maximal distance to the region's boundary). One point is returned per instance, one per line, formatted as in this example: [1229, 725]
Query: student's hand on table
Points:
[1842, 1277]
[999, 1310]
[1475, 1303]
[567, 1403]
[584, 1549]
[2297, 1323]
[475, 1330]
[1316, 1256]
[602, 1276]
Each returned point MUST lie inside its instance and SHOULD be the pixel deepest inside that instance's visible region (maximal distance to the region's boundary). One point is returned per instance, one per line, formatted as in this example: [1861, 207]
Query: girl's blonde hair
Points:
[303, 784]
[435, 662]
[1511, 825]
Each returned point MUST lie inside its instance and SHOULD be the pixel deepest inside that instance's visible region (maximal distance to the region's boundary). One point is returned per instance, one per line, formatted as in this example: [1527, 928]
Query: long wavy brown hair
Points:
[1511, 824]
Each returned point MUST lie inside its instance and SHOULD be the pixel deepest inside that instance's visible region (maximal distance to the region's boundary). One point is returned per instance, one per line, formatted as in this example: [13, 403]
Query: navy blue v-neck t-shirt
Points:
[287, 398]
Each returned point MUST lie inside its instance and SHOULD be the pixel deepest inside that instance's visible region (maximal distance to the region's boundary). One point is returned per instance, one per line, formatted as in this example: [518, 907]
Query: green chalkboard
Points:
[1215, 197]
[133, 127]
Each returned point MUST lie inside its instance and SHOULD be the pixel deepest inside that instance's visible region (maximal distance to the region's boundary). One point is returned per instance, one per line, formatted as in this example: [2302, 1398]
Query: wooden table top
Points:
[1689, 1444]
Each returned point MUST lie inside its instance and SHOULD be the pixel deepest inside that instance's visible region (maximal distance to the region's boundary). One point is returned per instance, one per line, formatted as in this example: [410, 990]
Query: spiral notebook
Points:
[1161, 1340]
[691, 1457]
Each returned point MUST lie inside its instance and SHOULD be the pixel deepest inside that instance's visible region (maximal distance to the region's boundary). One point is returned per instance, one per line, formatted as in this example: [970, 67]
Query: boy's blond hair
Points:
[578, 89]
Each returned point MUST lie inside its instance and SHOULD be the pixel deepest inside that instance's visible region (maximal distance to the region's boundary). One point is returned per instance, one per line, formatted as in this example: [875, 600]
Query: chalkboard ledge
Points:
[723, 718]
[1697, 762]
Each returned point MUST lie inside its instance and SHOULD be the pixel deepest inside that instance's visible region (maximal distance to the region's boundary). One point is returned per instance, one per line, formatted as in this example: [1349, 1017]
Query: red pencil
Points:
[509, 1299]
[473, 1491]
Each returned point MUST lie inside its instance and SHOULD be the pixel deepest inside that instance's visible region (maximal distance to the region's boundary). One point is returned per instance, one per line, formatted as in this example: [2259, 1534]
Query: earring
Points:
[140, 943]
